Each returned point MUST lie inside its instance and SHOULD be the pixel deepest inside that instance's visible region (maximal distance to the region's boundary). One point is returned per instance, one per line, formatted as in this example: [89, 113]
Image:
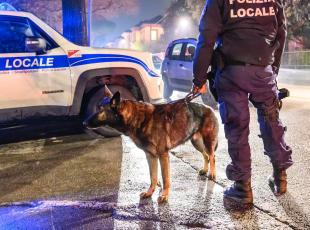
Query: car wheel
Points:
[167, 88]
[107, 131]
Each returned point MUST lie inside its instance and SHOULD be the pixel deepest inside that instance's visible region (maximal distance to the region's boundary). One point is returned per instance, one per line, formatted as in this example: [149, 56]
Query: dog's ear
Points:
[107, 92]
[115, 100]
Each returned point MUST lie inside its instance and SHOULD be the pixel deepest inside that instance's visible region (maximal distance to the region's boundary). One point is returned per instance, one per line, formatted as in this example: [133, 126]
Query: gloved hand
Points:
[197, 89]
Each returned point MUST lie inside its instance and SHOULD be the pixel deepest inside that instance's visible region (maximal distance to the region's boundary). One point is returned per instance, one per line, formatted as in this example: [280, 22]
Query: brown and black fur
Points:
[156, 129]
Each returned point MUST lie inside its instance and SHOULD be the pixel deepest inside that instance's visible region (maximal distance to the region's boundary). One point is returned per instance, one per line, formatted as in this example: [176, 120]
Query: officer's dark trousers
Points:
[235, 86]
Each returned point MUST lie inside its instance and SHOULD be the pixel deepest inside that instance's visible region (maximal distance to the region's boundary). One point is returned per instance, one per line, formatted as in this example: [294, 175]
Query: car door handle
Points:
[167, 63]
[181, 65]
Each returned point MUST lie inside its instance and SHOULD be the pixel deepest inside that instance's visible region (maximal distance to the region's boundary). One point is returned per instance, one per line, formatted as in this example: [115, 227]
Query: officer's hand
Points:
[197, 89]
[203, 89]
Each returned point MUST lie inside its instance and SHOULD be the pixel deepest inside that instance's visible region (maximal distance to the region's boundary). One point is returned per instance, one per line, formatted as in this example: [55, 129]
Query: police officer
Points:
[250, 34]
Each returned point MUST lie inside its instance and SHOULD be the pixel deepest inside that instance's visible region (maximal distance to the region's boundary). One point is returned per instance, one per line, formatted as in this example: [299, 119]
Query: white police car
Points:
[43, 75]
[177, 69]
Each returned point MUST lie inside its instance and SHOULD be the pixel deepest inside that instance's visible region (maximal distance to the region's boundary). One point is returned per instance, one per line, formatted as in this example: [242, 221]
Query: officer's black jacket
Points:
[251, 31]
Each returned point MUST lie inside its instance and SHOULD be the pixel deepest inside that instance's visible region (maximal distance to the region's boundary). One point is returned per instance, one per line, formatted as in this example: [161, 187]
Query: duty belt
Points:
[239, 63]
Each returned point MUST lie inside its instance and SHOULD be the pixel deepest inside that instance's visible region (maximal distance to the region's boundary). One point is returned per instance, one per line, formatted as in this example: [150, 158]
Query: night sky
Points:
[148, 10]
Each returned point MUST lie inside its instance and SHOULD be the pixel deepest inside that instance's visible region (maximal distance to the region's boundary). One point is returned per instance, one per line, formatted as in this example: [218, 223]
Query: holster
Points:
[217, 62]
[218, 59]
[272, 113]
[211, 78]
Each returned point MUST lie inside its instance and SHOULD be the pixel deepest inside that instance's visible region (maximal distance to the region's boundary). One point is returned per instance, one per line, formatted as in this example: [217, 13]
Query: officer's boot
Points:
[278, 179]
[240, 191]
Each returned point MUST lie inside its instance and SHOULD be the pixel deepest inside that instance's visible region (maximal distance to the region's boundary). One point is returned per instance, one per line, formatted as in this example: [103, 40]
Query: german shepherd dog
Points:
[156, 129]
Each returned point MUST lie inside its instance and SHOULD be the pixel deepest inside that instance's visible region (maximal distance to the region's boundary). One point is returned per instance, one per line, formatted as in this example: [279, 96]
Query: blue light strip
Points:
[103, 58]
[61, 61]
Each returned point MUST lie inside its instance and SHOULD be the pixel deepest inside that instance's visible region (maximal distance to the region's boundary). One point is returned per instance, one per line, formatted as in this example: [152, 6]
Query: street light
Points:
[184, 23]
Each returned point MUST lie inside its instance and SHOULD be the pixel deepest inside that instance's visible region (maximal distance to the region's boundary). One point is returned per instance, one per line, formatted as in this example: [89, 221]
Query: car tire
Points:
[167, 88]
[107, 131]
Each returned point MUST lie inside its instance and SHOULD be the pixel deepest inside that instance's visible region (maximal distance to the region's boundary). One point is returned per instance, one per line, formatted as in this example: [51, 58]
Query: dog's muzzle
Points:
[85, 123]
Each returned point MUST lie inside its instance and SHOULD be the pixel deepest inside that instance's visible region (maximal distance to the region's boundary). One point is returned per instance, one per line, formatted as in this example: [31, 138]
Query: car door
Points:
[31, 84]
[174, 64]
[186, 70]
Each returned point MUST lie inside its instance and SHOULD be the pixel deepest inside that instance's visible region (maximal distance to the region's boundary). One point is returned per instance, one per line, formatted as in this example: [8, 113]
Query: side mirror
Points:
[35, 44]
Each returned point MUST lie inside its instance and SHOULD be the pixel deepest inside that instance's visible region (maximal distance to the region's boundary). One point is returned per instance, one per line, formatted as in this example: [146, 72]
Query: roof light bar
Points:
[7, 7]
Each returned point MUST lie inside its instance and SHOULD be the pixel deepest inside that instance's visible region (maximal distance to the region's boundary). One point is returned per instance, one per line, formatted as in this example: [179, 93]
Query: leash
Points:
[191, 96]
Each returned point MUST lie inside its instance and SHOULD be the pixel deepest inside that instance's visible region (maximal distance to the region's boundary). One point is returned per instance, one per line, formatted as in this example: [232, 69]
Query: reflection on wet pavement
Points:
[84, 181]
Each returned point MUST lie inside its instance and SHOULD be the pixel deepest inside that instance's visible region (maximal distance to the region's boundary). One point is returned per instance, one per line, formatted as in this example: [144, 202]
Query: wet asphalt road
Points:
[69, 178]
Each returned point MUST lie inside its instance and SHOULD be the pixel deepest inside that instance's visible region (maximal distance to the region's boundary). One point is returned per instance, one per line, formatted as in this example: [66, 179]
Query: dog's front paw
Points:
[212, 176]
[145, 195]
[162, 199]
[203, 172]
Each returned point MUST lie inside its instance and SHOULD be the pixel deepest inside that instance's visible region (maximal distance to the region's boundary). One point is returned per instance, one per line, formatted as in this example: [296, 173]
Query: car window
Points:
[13, 36]
[176, 52]
[189, 57]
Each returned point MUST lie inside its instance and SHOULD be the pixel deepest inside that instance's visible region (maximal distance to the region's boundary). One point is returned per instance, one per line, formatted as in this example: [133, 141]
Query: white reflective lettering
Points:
[24, 62]
[49, 62]
[248, 1]
[271, 10]
[7, 64]
[231, 2]
[259, 1]
[35, 62]
[19, 63]
[41, 62]
[241, 13]
[232, 14]
[249, 13]
[258, 12]
[241, 1]
[264, 12]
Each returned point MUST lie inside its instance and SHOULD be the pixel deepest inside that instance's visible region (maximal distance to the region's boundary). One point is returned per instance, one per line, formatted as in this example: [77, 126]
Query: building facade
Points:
[144, 32]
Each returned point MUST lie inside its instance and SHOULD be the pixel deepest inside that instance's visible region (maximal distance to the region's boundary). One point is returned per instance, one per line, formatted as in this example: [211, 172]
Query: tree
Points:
[101, 28]
[51, 11]
[101, 9]
[177, 12]
[298, 21]
[74, 16]
[104, 8]
[195, 7]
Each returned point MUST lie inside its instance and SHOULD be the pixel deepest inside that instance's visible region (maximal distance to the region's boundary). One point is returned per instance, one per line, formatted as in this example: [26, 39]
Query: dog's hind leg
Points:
[153, 167]
[165, 172]
[197, 142]
[211, 144]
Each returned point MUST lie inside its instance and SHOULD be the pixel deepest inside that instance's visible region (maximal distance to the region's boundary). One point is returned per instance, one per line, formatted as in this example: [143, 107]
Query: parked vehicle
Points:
[43, 75]
[157, 61]
[177, 69]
